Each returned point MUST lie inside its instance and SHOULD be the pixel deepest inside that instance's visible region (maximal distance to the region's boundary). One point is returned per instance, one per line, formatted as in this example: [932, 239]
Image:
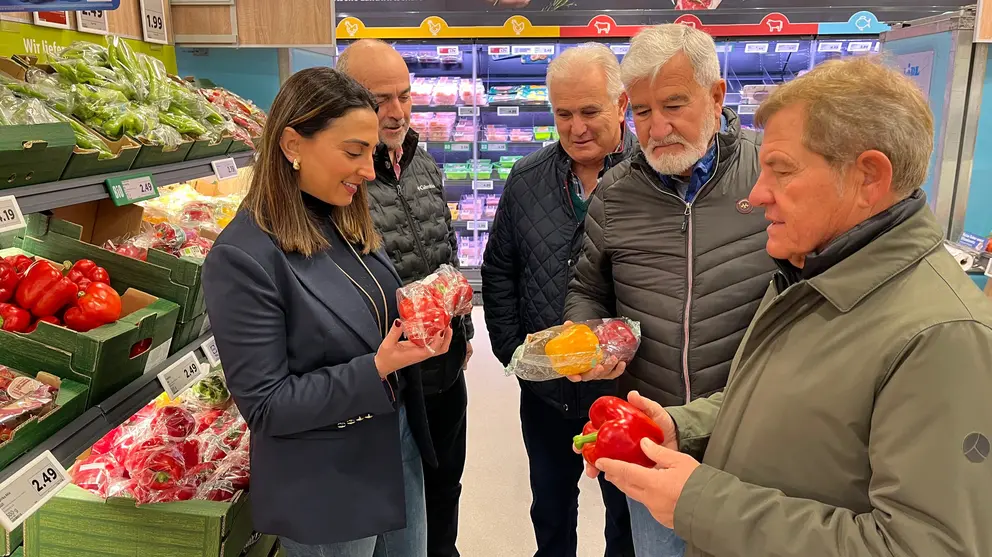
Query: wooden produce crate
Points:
[100, 359]
[163, 275]
[77, 523]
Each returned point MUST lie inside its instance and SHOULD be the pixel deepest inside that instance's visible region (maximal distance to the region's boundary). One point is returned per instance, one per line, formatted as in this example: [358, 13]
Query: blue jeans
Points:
[651, 539]
[408, 542]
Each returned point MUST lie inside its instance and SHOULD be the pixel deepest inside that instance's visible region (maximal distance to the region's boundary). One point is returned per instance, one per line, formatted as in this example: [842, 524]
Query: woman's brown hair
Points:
[308, 102]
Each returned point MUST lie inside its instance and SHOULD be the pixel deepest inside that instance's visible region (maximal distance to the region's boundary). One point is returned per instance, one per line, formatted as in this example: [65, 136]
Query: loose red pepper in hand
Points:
[50, 319]
[14, 319]
[9, 279]
[21, 263]
[85, 271]
[44, 290]
[98, 305]
[615, 430]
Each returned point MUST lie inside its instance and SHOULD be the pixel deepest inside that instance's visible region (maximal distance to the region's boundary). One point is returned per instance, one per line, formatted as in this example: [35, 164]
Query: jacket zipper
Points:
[413, 228]
[687, 229]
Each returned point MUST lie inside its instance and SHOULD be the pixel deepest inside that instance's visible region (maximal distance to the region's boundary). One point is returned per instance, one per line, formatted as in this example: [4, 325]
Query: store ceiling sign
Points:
[55, 5]
[861, 23]
[601, 26]
[434, 27]
[58, 20]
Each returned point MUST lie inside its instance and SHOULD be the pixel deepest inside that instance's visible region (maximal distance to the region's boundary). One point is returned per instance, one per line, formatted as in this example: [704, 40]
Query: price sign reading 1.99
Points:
[153, 21]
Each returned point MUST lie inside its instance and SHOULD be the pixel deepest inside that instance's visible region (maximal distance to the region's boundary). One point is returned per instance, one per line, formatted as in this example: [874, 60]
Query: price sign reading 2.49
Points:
[181, 374]
[153, 21]
[29, 488]
[125, 190]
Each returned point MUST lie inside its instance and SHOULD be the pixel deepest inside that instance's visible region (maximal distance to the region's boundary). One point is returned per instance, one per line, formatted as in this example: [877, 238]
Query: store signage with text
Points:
[49, 5]
[58, 20]
[92, 21]
[153, 21]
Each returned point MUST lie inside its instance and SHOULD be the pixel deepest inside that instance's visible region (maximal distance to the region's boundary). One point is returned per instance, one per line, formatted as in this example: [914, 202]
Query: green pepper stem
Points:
[583, 440]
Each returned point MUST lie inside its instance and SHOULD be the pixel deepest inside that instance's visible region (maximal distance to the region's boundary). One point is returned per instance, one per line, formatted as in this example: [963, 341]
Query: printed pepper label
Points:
[22, 386]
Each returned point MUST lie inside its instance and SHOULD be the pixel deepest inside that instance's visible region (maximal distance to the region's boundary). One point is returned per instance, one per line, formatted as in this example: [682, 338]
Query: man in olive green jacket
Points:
[856, 420]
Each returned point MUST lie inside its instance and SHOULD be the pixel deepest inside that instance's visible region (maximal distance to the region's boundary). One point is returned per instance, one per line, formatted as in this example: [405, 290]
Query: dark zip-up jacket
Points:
[692, 274]
[413, 217]
[535, 241]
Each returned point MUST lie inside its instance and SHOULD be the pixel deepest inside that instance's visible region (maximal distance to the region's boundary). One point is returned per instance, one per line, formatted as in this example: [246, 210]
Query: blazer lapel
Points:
[332, 287]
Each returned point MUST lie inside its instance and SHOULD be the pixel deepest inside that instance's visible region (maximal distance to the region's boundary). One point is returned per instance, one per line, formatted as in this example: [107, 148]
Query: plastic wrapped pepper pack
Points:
[573, 349]
[427, 306]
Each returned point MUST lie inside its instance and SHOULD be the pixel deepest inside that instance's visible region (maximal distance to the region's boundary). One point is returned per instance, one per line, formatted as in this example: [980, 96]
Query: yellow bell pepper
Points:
[575, 350]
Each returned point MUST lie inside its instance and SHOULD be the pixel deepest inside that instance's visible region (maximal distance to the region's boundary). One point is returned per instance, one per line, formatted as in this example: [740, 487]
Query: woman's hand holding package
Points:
[395, 354]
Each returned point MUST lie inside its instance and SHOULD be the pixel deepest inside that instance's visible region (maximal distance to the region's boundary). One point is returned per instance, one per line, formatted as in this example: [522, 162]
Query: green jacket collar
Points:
[855, 277]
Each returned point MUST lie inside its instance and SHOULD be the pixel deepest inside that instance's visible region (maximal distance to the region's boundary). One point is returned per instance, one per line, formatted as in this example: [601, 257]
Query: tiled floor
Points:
[495, 520]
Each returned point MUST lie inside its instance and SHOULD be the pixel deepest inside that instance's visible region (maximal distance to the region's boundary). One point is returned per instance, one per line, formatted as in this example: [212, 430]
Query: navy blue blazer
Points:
[298, 350]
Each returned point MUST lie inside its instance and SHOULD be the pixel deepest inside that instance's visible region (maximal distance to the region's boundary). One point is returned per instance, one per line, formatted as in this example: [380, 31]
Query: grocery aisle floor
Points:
[495, 508]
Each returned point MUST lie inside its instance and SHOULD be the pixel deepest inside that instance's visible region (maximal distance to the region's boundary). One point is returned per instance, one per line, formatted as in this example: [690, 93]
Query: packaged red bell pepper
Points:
[9, 279]
[97, 473]
[574, 349]
[158, 468]
[98, 305]
[427, 306]
[615, 431]
[85, 271]
[14, 319]
[22, 398]
[173, 422]
[44, 290]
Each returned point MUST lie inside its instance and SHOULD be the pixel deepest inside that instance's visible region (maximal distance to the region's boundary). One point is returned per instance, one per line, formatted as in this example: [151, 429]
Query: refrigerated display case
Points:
[479, 106]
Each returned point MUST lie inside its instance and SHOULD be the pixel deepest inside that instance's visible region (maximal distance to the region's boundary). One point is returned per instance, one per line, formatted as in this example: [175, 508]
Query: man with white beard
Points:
[671, 239]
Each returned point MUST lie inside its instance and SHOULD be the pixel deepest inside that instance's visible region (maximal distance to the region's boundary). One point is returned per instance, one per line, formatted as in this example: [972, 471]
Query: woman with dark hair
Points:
[303, 308]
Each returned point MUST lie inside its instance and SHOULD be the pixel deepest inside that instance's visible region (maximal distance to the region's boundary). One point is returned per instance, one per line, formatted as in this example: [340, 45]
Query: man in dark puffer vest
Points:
[536, 239]
[671, 239]
[409, 209]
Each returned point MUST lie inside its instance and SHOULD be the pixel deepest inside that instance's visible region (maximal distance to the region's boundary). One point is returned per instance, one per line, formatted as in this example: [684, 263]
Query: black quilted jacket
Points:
[412, 215]
[693, 276]
[532, 247]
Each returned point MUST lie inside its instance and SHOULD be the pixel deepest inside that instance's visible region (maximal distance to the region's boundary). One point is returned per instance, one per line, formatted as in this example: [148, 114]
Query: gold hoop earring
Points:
[296, 164]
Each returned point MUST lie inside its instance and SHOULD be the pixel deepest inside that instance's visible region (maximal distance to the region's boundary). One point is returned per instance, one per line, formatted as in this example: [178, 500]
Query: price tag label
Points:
[153, 21]
[468, 111]
[477, 225]
[457, 146]
[756, 48]
[92, 21]
[508, 111]
[131, 189]
[859, 46]
[499, 50]
[973, 241]
[494, 146]
[158, 355]
[544, 49]
[524, 50]
[209, 347]
[180, 375]
[448, 50]
[11, 217]
[829, 47]
[225, 168]
[29, 488]
[484, 185]
[620, 49]
[787, 47]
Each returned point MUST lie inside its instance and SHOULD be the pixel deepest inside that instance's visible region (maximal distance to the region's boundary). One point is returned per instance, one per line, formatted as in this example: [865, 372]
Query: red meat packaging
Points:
[427, 306]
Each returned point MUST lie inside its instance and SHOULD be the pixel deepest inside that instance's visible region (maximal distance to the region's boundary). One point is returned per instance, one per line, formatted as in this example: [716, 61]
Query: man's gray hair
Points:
[654, 46]
[578, 58]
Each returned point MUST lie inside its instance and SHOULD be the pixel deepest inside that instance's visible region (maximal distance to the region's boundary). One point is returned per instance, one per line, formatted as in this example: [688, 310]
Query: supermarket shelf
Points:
[484, 145]
[50, 195]
[484, 183]
[487, 109]
[80, 434]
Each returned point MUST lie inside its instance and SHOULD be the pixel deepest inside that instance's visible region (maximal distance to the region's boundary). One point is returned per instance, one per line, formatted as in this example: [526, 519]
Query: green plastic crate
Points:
[157, 155]
[34, 154]
[205, 149]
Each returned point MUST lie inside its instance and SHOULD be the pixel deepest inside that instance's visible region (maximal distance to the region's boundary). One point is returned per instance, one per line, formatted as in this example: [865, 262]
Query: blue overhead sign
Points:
[861, 23]
[57, 5]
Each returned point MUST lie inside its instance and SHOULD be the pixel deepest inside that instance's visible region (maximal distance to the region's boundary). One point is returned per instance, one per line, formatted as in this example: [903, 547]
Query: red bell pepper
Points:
[21, 263]
[14, 319]
[9, 279]
[85, 271]
[44, 290]
[160, 468]
[98, 305]
[615, 430]
[50, 319]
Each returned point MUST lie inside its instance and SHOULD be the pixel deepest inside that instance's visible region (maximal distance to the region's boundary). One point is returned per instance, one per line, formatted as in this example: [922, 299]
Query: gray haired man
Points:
[535, 241]
[671, 240]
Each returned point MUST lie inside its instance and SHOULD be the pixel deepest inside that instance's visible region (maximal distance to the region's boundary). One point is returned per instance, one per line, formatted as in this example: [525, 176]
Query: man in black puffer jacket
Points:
[535, 241]
[409, 209]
